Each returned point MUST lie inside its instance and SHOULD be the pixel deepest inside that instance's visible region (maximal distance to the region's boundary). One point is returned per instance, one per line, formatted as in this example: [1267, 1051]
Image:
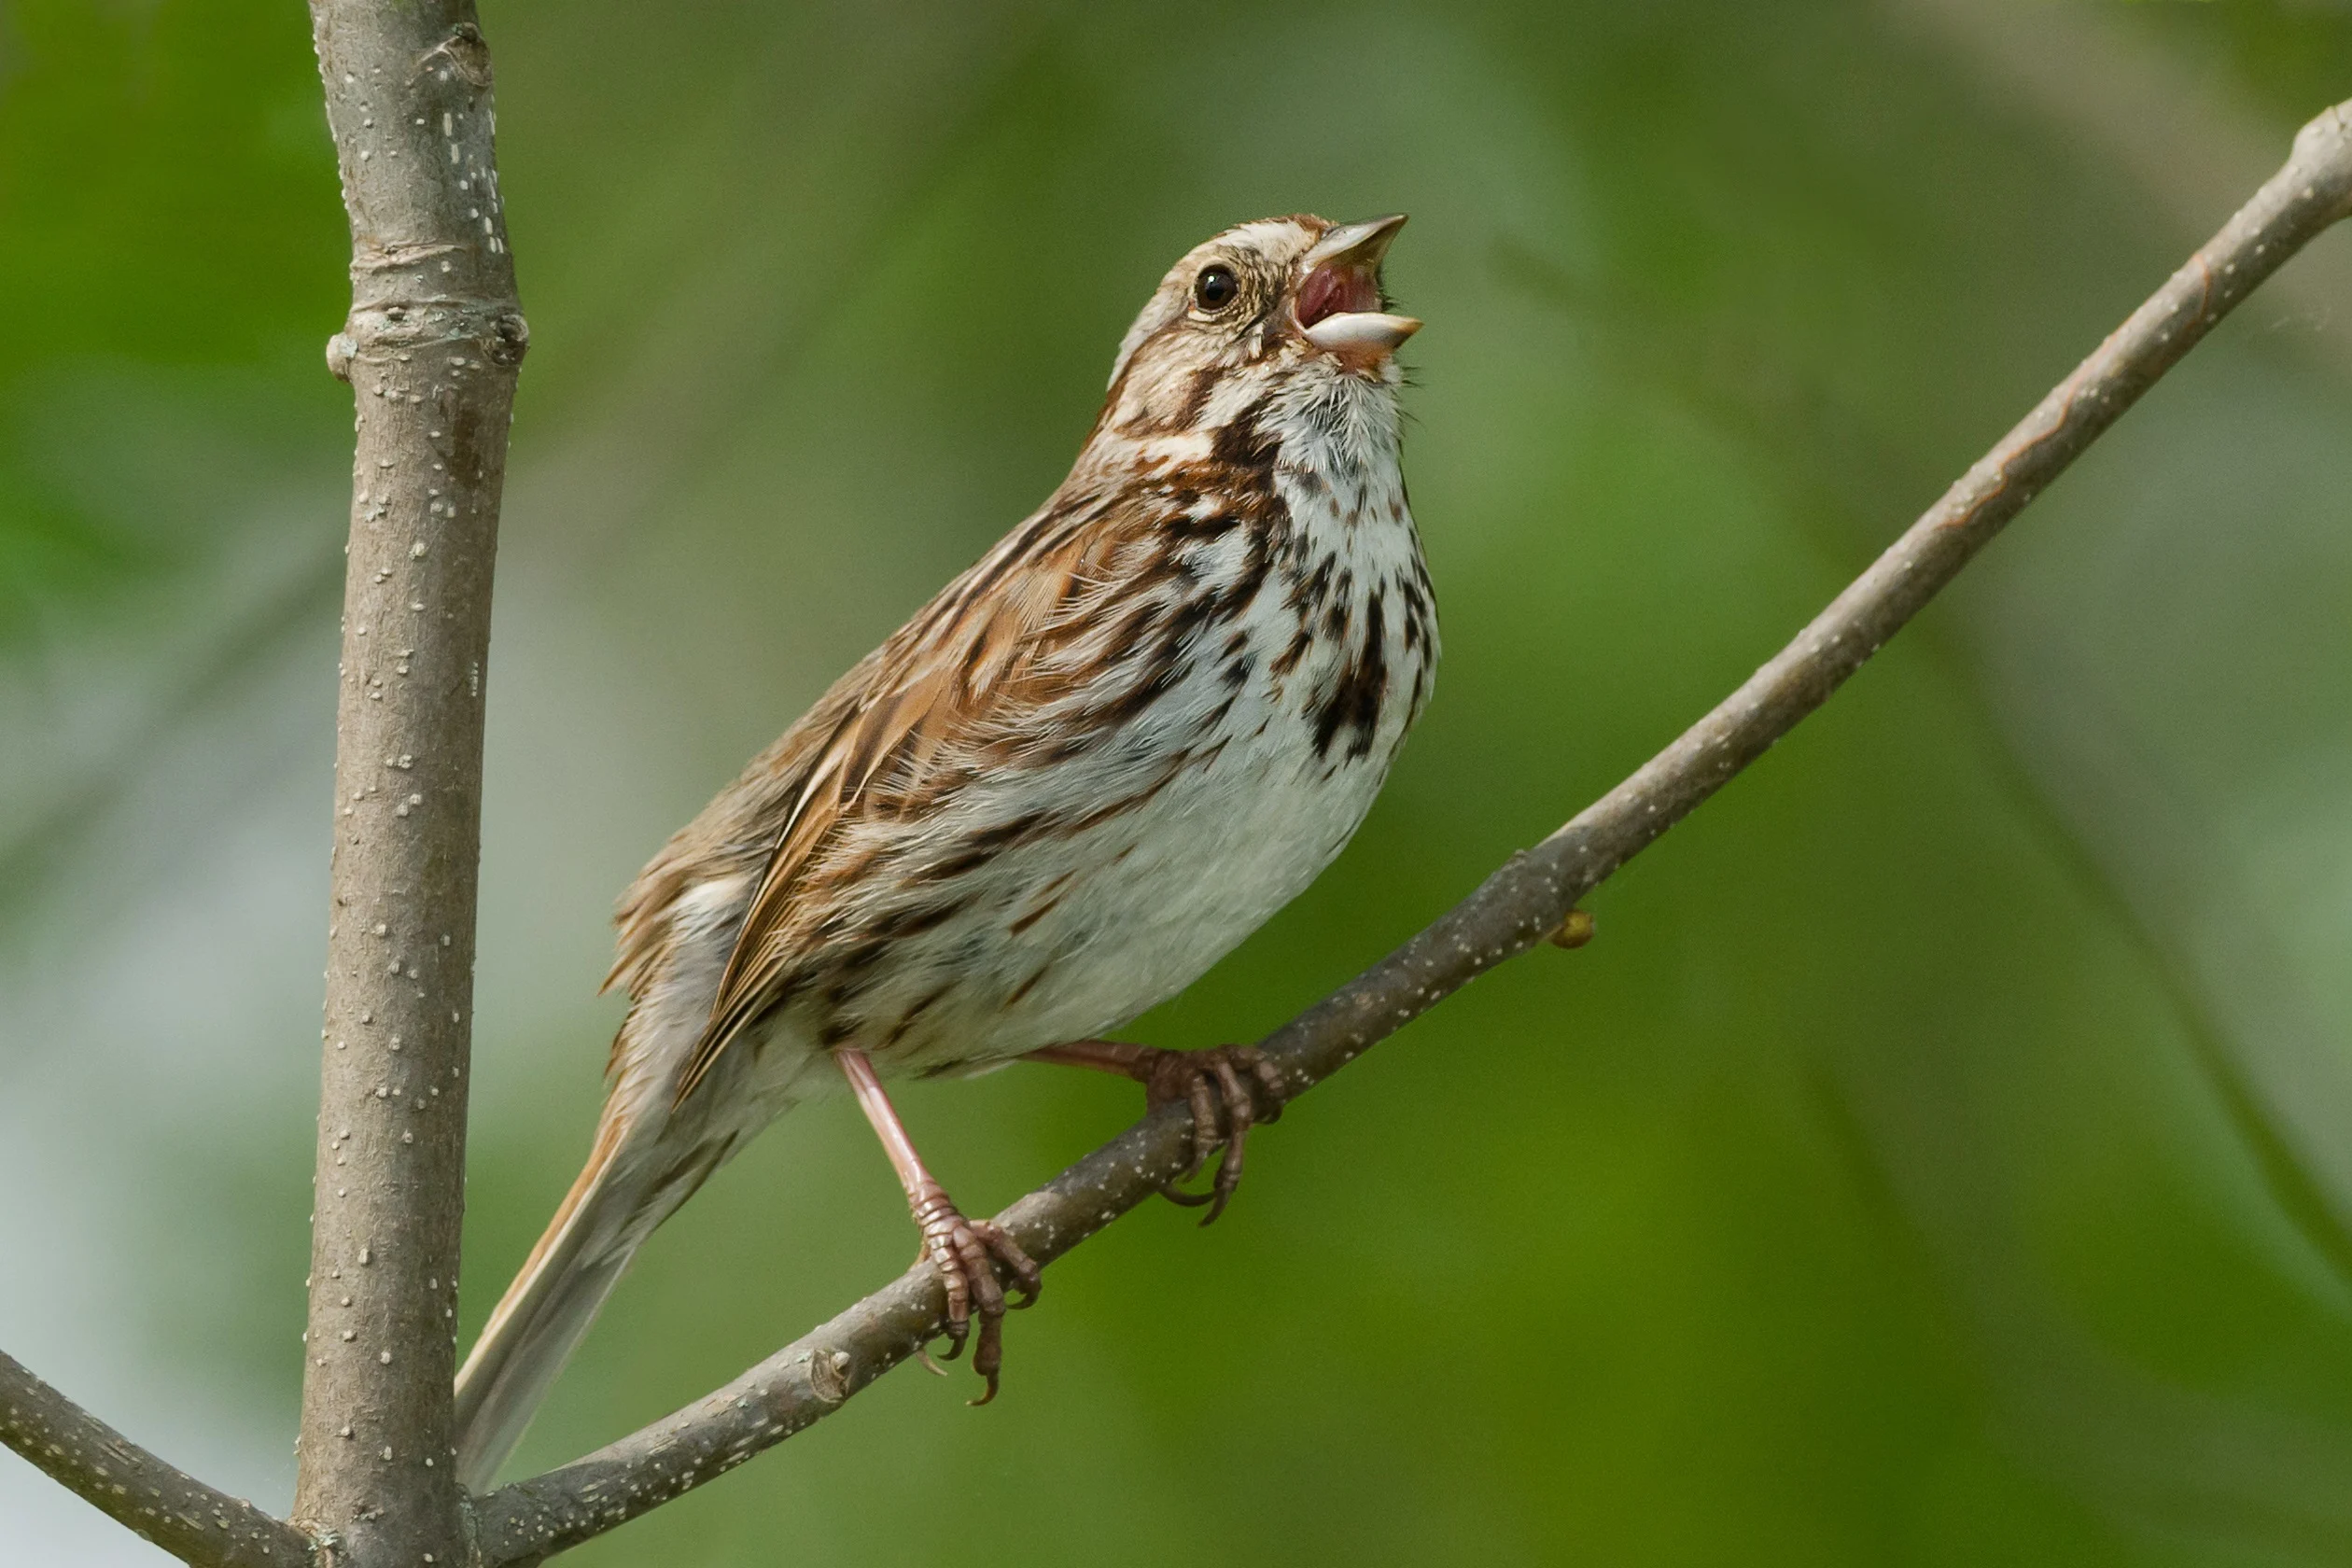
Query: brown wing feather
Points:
[882, 734]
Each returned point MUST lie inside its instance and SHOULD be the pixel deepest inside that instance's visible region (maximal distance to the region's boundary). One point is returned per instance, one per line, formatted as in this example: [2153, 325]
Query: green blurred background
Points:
[1944, 1156]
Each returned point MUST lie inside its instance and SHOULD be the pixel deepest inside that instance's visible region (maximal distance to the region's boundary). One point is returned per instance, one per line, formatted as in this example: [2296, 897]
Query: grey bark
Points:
[130, 1484]
[1513, 910]
[432, 349]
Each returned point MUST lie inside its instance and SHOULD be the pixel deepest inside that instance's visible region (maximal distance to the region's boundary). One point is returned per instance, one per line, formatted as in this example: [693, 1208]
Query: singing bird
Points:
[1141, 725]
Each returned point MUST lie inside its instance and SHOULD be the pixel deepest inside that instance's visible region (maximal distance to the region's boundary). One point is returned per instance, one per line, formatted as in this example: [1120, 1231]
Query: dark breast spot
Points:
[907, 1018]
[1026, 985]
[1350, 706]
[1048, 899]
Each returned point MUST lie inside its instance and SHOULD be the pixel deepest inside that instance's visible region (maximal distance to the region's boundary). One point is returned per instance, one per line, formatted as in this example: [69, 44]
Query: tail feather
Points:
[546, 1312]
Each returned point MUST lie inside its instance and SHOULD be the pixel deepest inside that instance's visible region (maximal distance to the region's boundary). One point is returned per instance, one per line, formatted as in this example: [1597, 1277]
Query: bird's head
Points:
[1290, 302]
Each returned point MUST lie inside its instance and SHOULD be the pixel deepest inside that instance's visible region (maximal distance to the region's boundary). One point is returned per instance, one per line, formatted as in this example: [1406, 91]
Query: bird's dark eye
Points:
[1215, 288]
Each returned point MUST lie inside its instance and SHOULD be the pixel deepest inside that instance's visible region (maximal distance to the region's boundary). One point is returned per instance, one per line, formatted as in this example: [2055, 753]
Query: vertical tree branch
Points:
[432, 349]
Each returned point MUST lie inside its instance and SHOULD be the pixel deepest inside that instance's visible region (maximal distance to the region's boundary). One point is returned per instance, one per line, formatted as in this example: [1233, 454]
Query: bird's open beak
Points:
[1339, 298]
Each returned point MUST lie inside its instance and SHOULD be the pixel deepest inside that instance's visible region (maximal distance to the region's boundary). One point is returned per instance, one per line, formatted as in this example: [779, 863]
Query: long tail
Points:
[546, 1312]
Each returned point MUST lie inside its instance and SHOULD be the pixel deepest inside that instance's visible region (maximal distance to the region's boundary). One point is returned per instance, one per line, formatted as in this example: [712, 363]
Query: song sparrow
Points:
[1093, 764]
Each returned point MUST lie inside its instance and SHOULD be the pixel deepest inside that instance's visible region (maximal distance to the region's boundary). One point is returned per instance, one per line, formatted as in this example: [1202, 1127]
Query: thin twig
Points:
[1512, 911]
[432, 349]
[128, 1484]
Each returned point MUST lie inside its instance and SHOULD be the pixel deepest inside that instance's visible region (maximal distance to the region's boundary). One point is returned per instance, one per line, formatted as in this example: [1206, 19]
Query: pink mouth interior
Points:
[1331, 290]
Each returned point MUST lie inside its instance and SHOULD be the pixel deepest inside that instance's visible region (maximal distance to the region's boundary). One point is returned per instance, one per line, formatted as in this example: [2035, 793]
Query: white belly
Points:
[1073, 936]
[1166, 894]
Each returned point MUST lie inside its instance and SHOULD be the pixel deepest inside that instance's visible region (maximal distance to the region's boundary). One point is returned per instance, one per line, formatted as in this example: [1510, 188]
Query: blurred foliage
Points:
[1936, 1159]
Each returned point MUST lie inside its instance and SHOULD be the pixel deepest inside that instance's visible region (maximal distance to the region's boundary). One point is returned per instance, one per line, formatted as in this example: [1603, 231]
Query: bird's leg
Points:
[1228, 1075]
[965, 1252]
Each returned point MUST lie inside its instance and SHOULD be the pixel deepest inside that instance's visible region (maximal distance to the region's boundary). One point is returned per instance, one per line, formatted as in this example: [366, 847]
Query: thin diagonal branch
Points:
[128, 1484]
[1511, 911]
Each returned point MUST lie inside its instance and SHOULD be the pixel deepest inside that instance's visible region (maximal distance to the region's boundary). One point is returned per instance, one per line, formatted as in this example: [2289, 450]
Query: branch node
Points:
[829, 1375]
[1574, 932]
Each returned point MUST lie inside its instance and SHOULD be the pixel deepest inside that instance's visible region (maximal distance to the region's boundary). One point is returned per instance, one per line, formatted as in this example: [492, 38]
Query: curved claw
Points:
[1208, 1082]
[1028, 1278]
[967, 1254]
